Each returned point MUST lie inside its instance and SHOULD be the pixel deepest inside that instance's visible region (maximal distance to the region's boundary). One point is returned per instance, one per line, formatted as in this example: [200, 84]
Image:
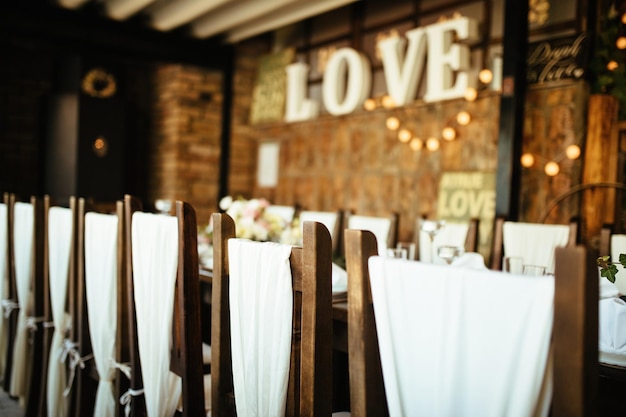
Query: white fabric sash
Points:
[612, 331]
[60, 230]
[24, 223]
[155, 262]
[462, 342]
[261, 303]
[535, 243]
[453, 234]
[4, 283]
[101, 290]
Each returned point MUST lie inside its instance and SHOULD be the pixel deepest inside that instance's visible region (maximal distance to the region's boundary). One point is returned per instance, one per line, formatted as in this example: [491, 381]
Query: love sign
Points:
[347, 76]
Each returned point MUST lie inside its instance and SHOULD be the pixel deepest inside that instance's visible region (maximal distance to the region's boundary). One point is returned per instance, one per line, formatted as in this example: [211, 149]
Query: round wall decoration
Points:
[99, 83]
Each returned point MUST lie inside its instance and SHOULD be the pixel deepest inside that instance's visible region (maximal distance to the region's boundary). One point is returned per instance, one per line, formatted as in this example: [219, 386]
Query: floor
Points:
[9, 407]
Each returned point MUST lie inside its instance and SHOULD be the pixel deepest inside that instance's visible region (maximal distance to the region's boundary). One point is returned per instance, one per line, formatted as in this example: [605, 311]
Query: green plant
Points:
[605, 78]
[609, 269]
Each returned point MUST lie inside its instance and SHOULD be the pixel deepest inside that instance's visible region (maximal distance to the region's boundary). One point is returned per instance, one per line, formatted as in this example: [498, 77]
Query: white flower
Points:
[225, 202]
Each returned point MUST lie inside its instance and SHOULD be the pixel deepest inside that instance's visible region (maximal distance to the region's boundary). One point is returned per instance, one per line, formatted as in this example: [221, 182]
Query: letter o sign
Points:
[346, 65]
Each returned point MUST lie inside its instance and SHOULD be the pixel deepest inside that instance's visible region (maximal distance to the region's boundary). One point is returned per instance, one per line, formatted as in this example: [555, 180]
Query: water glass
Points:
[513, 264]
[534, 270]
[409, 247]
[449, 253]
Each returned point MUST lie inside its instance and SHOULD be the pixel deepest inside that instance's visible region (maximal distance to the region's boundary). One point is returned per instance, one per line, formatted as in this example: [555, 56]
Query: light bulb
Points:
[551, 168]
[624, 18]
[432, 144]
[471, 94]
[463, 118]
[572, 151]
[404, 135]
[527, 160]
[612, 65]
[370, 104]
[393, 123]
[485, 76]
[621, 42]
[448, 133]
[388, 102]
[416, 144]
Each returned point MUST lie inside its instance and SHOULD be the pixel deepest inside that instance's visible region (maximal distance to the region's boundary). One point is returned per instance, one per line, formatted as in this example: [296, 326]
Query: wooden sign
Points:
[268, 96]
[557, 59]
[464, 195]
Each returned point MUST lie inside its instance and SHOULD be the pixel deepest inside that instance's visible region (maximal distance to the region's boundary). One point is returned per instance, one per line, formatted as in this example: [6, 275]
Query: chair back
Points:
[384, 228]
[331, 219]
[309, 387]
[4, 278]
[287, 213]
[464, 235]
[367, 391]
[451, 339]
[60, 259]
[533, 242]
[163, 257]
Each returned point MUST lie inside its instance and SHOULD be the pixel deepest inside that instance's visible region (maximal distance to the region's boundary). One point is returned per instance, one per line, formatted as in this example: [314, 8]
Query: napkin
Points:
[612, 331]
[471, 260]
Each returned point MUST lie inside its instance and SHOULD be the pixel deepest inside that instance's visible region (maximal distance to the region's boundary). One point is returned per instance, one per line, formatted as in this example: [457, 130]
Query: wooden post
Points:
[601, 157]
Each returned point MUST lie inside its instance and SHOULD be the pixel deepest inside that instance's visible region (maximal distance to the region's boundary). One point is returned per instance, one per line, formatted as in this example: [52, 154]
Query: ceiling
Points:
[230, 20]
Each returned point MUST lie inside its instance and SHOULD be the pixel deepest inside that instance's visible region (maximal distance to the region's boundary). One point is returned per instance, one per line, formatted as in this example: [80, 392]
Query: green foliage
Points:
[608, 269]
[603, 80]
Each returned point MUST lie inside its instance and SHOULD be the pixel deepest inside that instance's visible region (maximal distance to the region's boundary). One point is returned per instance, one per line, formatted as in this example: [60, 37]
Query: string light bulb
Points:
[485, 76]
[432, 144]
[448, 133]
[621, 42]
[572, 151]
[527, 160]
[388, 102]
[463, 118]
[551, 168]
[471, 94]
[416, 144]
[612, 65]
[370, 104]
[404, 135]
[392, 123]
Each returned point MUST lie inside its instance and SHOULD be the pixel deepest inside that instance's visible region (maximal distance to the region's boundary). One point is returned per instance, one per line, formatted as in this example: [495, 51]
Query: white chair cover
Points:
[444, 351]
[284, 212]
[261, 303]
[380, 226]
[24, 223]
[60, 230]
[612, 332]
[101, 290]
[453, 234]
[618, 246]
[327, 218]
[3, 282]
[155, 263]
[533, 242]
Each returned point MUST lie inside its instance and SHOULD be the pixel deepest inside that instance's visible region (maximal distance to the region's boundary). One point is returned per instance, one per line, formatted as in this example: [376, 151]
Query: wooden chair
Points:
[186, 352]
[469, 239]
[385, 228]
[28, 264]
[310, 373]
[331, 219]
[573, 337]
[9, 300]
[499, 251]
[367, 391]
[60, 269]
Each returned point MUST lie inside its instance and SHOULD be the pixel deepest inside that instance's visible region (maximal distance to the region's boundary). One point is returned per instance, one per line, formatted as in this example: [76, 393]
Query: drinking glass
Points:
[432, 227]
[449, 253]
[409, 247]
[513, 264]
[163, 206]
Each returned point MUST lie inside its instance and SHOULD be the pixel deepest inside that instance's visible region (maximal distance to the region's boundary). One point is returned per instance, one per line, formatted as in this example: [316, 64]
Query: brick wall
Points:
[185, 147]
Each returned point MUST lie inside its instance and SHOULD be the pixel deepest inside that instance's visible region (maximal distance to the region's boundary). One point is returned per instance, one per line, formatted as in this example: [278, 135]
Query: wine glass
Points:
[431, 228]
[449, 253]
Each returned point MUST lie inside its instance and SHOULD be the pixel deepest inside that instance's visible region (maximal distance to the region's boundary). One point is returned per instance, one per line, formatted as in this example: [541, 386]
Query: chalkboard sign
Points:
[557, 59]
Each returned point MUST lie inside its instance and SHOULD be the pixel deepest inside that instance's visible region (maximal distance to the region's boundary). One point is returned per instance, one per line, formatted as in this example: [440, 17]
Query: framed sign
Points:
[464, 195]
[268, 96]
[557, 59]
